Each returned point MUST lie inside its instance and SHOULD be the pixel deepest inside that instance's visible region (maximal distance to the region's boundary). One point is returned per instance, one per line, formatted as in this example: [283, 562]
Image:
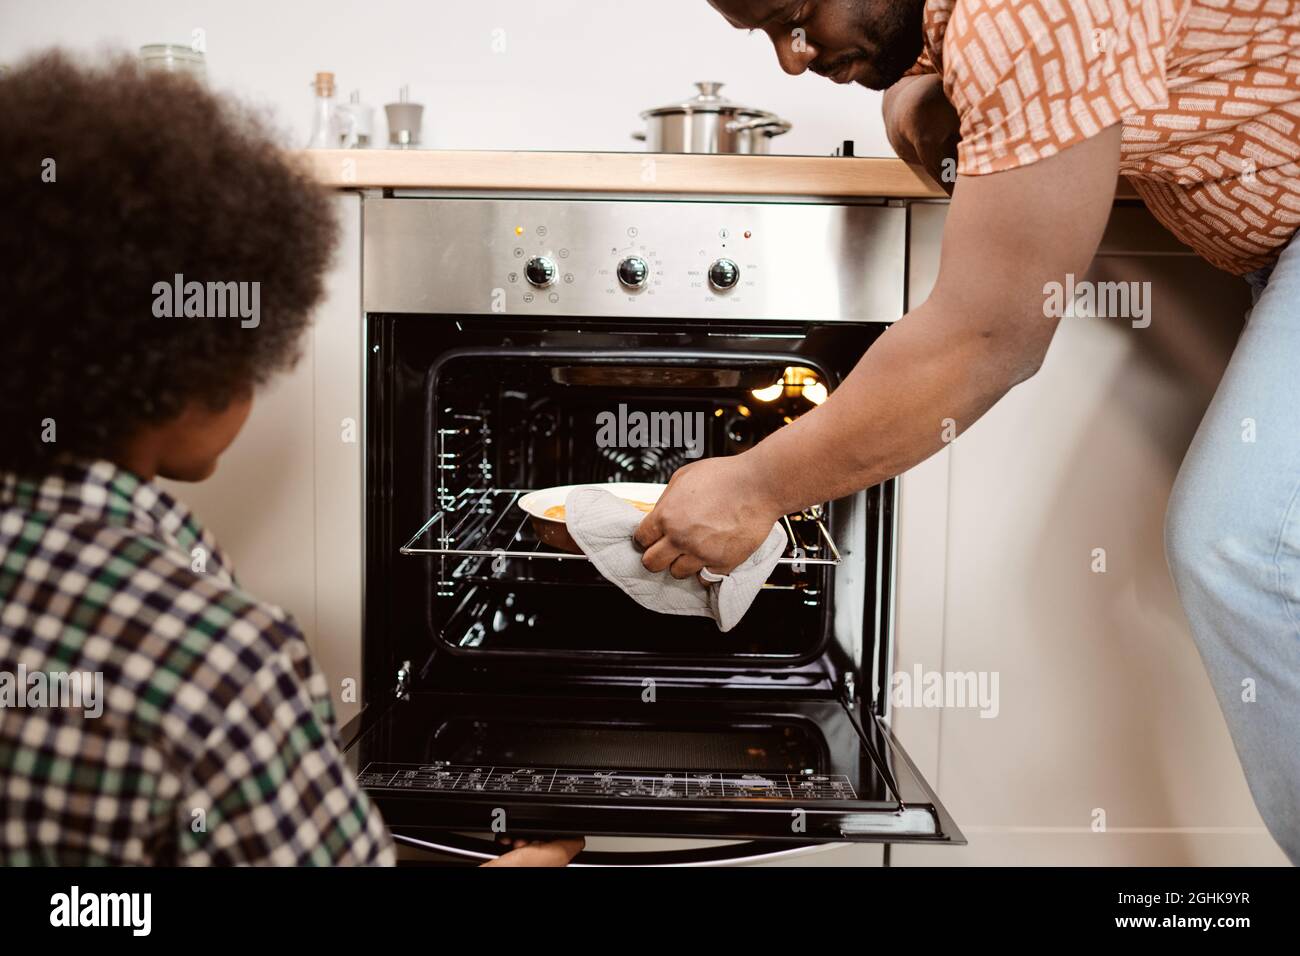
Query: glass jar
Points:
[174, 58]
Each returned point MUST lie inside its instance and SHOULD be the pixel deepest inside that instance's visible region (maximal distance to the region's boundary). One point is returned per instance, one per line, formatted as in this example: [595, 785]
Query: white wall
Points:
[575, 74]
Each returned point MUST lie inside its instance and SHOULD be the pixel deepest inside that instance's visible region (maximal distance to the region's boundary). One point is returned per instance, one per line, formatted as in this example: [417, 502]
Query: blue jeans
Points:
[1232, 537]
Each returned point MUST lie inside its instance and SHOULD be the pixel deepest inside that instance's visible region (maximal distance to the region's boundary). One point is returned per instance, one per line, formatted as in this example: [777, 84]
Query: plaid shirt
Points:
[216, 743]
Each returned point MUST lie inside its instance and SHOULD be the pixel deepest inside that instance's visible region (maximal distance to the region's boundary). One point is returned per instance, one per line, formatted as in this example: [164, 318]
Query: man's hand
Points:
[922, 125]
[545, 853]
[714, 514]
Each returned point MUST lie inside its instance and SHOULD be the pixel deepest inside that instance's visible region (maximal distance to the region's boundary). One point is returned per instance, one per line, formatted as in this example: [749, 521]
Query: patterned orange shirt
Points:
[1208, 92]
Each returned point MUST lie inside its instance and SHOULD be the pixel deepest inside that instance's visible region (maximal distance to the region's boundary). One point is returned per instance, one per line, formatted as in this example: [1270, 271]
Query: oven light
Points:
[744, 412]
[769, 394]
[815, 392]
[519, 230]
[717, 413]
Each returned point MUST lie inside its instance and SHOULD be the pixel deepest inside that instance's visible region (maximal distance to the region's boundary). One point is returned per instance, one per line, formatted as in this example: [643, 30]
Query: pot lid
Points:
[708, 100]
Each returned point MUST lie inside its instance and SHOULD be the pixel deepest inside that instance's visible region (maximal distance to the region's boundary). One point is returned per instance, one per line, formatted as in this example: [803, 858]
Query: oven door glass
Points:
[805, 769]
[490, 423]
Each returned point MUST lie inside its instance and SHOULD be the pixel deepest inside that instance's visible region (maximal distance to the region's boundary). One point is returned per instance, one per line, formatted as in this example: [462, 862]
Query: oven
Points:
[516, 343]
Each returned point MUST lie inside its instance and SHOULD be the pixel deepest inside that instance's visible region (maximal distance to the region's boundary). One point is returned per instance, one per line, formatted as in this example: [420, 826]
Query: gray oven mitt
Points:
[603, 524]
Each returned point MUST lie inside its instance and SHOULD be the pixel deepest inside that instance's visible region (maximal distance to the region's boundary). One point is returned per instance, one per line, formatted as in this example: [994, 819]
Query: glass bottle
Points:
[324, 129]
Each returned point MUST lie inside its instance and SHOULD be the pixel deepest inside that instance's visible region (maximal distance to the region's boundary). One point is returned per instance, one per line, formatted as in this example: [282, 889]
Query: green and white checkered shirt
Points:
[216, 742]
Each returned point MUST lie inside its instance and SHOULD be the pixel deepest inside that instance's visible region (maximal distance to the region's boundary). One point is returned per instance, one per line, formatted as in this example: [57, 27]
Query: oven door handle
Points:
[745, 852]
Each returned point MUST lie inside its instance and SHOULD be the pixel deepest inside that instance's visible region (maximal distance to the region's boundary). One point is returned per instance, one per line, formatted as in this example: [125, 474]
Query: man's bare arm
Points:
[981, 331]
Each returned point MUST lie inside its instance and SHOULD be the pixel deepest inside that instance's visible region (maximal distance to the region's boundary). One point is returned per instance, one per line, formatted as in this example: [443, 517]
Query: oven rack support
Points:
[485, 522]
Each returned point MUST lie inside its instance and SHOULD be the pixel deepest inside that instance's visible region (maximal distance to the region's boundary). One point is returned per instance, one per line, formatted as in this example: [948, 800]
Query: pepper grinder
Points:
[404, 119]
[354, 122]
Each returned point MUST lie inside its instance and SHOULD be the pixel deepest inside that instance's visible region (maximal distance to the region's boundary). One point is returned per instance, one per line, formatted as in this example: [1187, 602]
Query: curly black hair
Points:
[114, 179]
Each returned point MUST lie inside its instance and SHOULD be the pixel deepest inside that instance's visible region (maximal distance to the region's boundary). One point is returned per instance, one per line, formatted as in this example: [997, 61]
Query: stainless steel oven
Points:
[509, 687]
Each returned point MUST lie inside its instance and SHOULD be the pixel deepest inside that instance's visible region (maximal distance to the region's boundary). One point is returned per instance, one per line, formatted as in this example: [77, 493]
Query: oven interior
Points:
[473, 414]
[502, 424]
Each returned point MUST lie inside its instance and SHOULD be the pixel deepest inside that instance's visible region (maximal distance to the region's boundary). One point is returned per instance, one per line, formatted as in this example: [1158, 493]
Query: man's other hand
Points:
[923, 127]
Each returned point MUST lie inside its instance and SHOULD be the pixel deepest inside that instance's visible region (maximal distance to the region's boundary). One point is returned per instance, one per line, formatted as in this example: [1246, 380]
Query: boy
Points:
[213, 741]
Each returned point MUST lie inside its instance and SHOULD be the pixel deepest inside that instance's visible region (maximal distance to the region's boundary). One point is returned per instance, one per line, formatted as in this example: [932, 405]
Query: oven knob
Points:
[540, 271]
[633, 272]
[724, 274]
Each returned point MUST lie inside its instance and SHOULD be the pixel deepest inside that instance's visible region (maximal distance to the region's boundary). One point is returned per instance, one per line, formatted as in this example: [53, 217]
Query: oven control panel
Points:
[611, 784]
[635, 258]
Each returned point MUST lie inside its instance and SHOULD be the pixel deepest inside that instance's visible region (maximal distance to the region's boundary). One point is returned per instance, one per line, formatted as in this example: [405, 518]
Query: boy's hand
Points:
[538, 853]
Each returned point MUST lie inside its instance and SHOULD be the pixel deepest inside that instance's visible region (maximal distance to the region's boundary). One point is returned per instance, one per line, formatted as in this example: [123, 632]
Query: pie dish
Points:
[546, 508]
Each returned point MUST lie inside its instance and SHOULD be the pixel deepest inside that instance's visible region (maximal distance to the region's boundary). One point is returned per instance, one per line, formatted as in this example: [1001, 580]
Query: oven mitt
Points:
[603, 524]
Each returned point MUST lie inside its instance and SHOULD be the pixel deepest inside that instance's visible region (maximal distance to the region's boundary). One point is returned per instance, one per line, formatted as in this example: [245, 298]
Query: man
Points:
[1046, 103]
[162, 259]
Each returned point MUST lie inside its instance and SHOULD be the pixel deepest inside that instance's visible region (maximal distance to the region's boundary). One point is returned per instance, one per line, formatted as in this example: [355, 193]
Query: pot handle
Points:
[770, 125]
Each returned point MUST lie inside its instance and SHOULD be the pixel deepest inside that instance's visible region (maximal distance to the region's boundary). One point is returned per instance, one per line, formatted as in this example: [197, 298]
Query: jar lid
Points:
[171, 51]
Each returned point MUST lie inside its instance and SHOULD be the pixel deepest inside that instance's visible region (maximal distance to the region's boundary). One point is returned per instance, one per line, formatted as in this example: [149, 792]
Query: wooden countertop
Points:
[537, 171]
[821, 176]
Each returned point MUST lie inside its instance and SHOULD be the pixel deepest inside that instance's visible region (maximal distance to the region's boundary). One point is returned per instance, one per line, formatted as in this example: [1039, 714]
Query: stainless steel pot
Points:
[709, 123]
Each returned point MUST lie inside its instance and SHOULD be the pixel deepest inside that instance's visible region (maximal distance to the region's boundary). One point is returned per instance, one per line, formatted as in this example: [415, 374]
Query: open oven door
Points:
[777, 772]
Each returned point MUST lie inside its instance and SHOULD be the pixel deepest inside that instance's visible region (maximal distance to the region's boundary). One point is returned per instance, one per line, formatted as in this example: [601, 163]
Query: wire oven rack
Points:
[485, 522]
